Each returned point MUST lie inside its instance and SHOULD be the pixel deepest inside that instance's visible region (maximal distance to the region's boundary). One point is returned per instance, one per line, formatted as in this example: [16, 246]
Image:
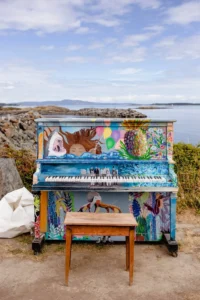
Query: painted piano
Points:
[105, 165]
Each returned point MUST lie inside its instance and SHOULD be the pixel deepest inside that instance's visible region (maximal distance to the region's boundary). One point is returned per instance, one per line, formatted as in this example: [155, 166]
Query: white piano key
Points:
[107, 179]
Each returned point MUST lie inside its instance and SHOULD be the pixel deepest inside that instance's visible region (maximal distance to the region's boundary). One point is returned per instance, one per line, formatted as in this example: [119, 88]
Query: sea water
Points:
[186, 127]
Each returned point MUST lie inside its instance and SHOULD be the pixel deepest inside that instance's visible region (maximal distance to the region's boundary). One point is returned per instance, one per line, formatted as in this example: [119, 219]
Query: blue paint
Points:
[173, 217]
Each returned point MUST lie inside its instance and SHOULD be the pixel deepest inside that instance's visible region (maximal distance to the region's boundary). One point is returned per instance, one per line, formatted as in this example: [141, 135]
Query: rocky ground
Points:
[97, 271]
[18, 129]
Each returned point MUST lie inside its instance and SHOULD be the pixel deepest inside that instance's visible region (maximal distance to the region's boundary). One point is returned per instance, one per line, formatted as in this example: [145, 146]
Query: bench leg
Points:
[127, 253]
[68, 253]
[131, 255]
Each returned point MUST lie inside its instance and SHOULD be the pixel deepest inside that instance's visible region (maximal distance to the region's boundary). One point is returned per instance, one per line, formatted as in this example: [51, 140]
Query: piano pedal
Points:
[99, 240]
[104, 240]
[110, 240]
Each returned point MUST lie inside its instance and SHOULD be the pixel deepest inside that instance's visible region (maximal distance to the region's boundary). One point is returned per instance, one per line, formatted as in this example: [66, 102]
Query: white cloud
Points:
[137, 39]
[166, 42]
[47, 47]
[107, 21]
[42, 16]
[26, 83]
[127, 71]
[121, 7]
[82, 30]
[157, 29]
[136, 55]
[96, 45]
[148, 4]
[76, 59]
[48, 16]
[174, 48]
[73, 47]
[185, 13]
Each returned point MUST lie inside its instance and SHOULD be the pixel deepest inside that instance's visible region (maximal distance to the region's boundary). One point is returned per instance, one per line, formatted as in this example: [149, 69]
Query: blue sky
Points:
[137, 51]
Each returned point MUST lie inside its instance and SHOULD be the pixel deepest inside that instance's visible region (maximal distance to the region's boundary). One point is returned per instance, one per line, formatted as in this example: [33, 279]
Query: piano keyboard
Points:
[106, 179]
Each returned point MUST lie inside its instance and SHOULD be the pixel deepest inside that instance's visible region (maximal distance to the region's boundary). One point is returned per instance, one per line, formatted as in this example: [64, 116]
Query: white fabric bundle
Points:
[16, 213]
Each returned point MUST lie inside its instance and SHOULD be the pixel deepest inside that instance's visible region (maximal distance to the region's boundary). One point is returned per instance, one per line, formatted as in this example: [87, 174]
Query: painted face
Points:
[56, 145]
[77, 149]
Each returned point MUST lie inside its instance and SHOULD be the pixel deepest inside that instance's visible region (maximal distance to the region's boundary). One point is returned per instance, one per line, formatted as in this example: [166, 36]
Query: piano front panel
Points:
[126, 140]
[151, 210]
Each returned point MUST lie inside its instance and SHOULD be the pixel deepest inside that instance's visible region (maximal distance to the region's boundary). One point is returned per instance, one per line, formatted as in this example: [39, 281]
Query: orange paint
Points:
[40, 145]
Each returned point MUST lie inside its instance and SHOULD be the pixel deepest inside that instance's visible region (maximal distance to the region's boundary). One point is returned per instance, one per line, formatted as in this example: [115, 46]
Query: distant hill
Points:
[69, 102]
[59, 103]
[54, 102]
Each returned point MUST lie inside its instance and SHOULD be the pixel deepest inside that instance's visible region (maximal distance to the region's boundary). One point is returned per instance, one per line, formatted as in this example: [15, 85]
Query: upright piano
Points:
[105, 165]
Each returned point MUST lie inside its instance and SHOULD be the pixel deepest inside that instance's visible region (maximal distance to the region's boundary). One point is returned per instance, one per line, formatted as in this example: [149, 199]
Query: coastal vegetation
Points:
[186, 156]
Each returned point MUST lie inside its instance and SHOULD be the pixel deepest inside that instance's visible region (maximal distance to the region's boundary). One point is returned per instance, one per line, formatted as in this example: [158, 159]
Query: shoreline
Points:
[57, 110]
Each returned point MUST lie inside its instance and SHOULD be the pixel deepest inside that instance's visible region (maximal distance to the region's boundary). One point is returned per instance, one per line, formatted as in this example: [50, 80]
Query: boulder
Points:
[10, 179]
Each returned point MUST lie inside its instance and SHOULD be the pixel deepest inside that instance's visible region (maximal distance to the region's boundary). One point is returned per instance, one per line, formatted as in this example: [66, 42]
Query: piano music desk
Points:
[114, 224]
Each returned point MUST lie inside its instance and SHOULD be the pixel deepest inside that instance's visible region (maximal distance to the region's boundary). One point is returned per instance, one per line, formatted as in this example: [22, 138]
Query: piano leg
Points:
[37, 244]
[40, 222]
[170, 238]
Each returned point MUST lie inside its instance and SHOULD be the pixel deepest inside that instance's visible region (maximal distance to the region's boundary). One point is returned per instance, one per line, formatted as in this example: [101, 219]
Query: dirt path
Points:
[98, 271]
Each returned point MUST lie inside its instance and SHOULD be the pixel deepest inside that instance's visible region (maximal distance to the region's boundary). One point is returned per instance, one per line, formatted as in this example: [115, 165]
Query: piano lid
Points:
[101, 120]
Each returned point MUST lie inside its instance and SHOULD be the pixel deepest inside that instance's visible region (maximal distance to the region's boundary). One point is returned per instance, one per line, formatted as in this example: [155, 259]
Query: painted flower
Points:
[159, 131]
[153, 148]
[162, 147]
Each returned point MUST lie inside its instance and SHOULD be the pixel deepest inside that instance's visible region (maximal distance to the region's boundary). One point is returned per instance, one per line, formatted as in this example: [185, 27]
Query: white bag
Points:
[16, 213]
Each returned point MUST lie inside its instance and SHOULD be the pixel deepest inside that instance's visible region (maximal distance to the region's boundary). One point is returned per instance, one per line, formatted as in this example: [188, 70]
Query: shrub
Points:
[187, 158]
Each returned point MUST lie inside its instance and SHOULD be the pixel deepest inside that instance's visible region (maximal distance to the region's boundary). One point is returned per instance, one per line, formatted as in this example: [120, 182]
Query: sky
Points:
[137, 51]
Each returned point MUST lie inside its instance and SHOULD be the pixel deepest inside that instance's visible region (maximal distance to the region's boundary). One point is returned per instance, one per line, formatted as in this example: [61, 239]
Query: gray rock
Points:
[9, 177]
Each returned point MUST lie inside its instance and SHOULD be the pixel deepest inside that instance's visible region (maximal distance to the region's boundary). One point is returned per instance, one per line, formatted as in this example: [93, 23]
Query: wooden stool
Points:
[78, 223]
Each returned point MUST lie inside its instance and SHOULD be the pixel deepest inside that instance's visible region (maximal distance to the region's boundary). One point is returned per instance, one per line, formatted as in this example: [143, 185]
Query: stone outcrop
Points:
[19, 131]
[9, 177]
[108, 113]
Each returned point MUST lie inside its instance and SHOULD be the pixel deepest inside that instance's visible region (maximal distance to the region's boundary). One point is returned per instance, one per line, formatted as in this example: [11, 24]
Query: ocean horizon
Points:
[186, 127]
[187, 117]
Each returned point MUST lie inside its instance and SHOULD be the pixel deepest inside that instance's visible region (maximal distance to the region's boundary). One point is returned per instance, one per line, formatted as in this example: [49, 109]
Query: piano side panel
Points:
[128, 140]
[170, 140]
[151, 210]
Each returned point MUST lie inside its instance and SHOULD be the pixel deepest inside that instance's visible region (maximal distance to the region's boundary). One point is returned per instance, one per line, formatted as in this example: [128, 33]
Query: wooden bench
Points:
[114, 224]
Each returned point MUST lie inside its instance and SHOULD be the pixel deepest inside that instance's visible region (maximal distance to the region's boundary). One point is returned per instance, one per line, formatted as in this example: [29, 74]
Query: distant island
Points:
[151, 107]
[176, 103]
[70, 102]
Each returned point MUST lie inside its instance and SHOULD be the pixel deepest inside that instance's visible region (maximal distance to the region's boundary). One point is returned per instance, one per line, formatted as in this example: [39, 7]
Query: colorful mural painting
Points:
[37, 217]
[106, 166]
[129, 140]
[151, 210]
